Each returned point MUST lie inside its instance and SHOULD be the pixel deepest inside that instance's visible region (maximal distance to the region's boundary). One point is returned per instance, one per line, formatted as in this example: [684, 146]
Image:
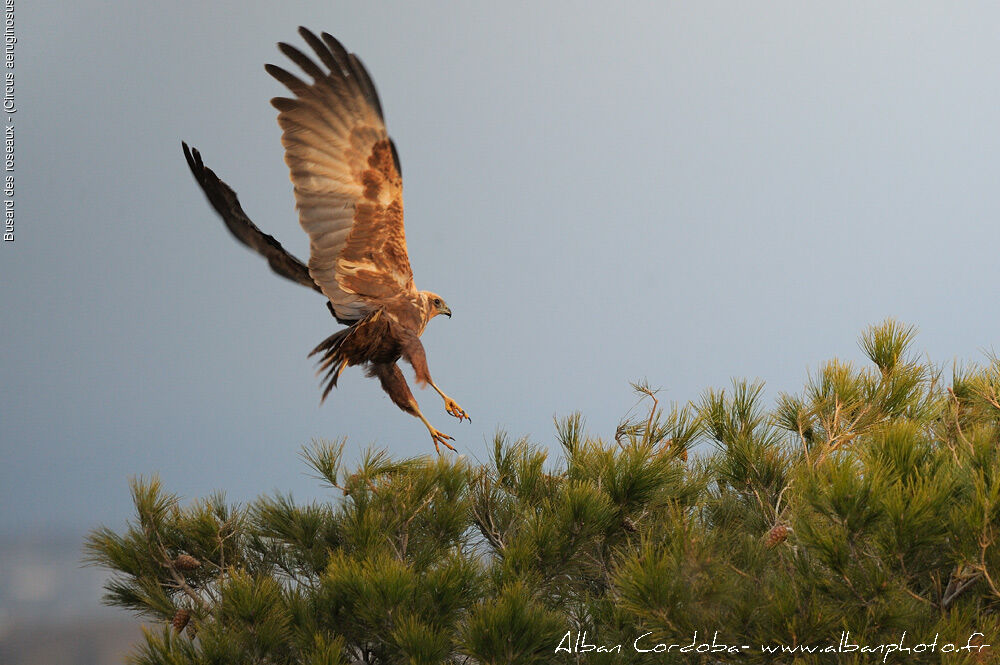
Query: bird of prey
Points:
[349, 196]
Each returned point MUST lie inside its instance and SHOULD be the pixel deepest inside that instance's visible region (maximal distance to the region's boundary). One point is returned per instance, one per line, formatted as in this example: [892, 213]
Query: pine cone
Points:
[181, 619]
[629, 525]
[186, 562]
[192, 630]
[776, 536]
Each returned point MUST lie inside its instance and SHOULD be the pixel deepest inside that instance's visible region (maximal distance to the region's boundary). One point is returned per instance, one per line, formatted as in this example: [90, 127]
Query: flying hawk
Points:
[349, 195]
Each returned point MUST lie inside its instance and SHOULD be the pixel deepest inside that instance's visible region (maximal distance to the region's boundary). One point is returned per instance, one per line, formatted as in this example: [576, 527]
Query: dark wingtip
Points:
[328, 38]
[395, 157]
[283, 103]
[193, 158]
[286, 78]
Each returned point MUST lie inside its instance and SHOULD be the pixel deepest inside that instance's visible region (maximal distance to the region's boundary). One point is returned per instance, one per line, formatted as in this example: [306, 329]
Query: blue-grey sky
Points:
[678, 191]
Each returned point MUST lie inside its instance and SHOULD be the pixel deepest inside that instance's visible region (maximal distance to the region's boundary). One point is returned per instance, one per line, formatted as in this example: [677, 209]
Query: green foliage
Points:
[868, 504]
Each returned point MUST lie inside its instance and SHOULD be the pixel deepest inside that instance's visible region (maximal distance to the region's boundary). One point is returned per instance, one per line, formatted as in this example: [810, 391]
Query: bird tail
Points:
[333, 359]
[350, 346]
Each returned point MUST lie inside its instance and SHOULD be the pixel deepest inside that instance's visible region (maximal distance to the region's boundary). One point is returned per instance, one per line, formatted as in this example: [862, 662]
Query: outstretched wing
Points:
[346, 175]
[225, 202]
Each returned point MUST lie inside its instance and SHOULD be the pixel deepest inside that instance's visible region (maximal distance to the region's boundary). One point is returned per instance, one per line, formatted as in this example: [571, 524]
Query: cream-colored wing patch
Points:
[345, 173]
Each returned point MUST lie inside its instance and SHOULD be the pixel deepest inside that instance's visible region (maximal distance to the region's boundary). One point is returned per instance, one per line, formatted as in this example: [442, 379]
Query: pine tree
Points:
[867, 505]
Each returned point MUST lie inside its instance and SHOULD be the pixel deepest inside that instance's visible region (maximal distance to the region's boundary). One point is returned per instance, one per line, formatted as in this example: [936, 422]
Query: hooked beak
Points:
[446, 311]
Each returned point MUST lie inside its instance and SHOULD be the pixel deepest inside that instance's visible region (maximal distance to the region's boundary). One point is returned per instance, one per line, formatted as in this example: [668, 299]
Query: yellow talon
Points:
[452, 407]
[441, 437]
[436, 436]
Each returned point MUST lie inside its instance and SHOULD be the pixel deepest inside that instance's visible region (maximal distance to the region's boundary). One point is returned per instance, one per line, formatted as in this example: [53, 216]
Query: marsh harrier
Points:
[349, 196]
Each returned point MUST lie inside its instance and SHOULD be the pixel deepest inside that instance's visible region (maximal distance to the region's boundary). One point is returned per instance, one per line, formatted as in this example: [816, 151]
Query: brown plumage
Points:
[349, 195]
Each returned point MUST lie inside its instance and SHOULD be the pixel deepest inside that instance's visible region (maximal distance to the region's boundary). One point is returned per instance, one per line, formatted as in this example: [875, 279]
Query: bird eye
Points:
[437, 302]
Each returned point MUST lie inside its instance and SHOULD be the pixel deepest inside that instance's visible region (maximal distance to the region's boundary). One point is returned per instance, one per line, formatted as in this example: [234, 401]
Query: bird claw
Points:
[441, 437]
[453, 409]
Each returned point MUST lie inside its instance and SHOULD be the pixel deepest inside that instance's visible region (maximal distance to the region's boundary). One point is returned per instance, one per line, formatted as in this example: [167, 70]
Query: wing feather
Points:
[346, 176]
[227, 204]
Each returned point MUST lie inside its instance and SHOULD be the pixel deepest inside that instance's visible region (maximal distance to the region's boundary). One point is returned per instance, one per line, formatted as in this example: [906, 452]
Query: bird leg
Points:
[413, 352]
[436, 435]
[395, 386]
[451, 406]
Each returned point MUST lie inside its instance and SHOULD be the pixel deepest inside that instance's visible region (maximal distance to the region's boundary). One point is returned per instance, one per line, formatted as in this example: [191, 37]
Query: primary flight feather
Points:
[349, 195]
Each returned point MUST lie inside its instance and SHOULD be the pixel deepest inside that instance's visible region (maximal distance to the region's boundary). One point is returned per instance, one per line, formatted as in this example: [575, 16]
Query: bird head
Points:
[434, 305]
